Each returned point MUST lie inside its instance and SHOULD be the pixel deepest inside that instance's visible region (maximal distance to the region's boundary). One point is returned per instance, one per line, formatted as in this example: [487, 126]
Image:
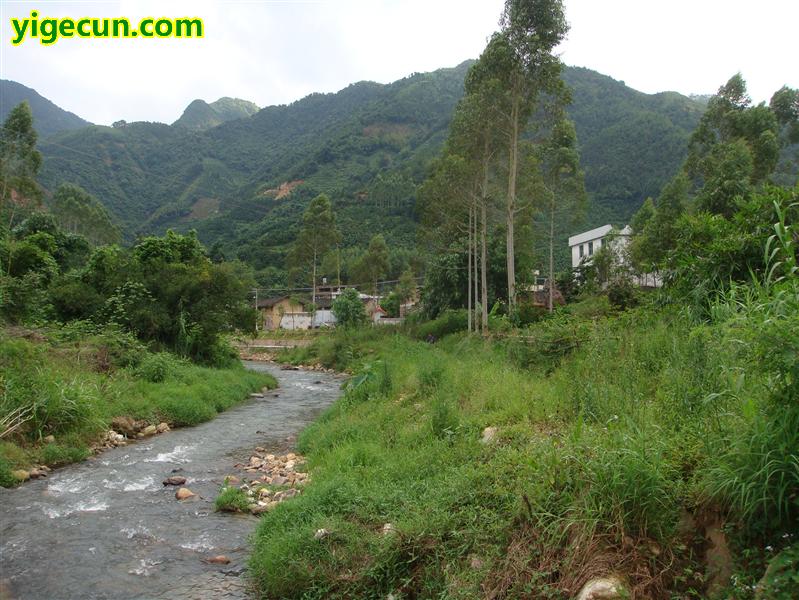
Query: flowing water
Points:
[108, 528]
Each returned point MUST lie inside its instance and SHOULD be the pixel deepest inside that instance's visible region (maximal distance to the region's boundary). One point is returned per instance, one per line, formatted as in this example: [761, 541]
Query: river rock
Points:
[184, 493]
[149, 430]
[175, 480]
[389, 528]
[604, 588]
[37, 473]
[219, 560]
[256, 395]
[321, 534]
[21, 475]
[256, 461]
[49, 439]
[125, 425]
[162, 428]
[489, 435]
[279, 480]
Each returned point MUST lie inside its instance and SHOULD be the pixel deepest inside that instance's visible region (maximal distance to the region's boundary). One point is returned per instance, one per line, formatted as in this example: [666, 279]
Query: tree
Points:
[317, 235]
[564, 185]
[349, 309]
[650, 246]
[406, 287]
[735, 147]
[19, 159]
[373, 264]
[80, 212]
[520, 59]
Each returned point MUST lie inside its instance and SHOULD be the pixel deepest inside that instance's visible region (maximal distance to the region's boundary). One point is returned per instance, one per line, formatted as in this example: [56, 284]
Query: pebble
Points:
[175, 480]
[49, 439]
[321, 534]
[184, 493]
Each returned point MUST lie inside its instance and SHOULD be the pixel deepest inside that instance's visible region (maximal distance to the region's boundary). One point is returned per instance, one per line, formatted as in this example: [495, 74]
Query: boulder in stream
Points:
[184, 493]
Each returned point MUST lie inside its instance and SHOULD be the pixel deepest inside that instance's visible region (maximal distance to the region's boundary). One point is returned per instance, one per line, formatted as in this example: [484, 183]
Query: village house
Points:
[283, 312]
[585, 245]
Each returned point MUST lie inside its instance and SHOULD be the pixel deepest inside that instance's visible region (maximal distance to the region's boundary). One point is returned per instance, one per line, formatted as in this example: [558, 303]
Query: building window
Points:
[590, 248]
[582, 253]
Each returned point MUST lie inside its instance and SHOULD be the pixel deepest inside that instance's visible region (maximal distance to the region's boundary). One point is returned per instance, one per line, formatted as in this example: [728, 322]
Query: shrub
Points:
[622, 293]
[348, 309]
[156, 367]
[450, 321]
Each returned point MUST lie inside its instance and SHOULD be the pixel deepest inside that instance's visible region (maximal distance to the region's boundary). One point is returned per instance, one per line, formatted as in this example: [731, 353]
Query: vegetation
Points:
[89, 333]
[366, 147]
[232, 499]
[70, 381]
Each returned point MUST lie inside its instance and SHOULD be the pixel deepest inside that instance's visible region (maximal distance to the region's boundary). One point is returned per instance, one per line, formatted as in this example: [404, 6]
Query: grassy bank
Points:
[646, 444]
[69, 384]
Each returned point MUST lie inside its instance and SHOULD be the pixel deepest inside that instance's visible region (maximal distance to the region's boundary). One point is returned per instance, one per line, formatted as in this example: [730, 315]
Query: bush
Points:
[348, 309]
[156, 367]
[450, 321]
[622, 294]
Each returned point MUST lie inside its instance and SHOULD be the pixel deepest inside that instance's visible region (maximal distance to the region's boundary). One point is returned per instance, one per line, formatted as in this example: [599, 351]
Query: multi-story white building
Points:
[584, 245]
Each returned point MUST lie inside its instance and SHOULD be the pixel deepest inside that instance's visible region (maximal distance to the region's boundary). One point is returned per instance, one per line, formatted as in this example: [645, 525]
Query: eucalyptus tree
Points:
[563, 185]
[317, 235]
[520, 75]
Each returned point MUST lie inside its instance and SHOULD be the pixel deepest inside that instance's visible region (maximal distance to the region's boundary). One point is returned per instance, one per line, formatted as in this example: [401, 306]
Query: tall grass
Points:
[71, 387]
[602, 449]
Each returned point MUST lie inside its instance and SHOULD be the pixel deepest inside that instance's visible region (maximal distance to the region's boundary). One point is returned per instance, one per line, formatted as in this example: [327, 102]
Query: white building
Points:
[584, 245]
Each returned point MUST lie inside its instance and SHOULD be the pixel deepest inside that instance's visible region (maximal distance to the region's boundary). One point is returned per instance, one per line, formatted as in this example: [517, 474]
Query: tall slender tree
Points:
[564, 186]
[317, 235]
[19, 159]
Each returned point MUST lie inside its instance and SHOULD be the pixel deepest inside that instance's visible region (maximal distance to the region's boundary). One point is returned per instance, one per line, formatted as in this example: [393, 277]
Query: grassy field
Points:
[646, 444]
[70, 384]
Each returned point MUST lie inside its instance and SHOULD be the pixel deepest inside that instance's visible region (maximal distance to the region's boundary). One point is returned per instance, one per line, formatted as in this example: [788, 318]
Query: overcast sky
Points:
[275, 52]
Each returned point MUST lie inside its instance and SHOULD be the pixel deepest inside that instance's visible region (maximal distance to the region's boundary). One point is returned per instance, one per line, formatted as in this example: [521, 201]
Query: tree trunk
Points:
[511, 207]
[469, 277]
[552, 254]
[483, 236]
[474, 263]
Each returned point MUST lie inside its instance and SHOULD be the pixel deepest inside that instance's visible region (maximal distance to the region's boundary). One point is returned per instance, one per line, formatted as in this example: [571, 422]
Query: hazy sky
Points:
[275, 52]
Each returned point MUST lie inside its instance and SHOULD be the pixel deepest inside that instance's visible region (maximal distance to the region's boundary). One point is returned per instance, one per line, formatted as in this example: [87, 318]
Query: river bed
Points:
[108, 528]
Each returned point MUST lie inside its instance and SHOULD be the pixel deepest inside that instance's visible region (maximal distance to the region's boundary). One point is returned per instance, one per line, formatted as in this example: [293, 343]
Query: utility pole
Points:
[256, 308]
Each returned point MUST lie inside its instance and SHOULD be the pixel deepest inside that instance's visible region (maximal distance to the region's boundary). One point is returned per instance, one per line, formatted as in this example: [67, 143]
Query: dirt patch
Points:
[283, 190]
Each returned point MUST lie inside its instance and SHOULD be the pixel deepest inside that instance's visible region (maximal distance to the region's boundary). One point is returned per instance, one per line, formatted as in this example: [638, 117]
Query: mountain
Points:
[47, 117]
[245, 183]
[199, 115]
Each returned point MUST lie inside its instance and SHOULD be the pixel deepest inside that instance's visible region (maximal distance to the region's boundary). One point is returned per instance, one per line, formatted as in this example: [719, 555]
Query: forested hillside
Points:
[246, 182]
[48, 117]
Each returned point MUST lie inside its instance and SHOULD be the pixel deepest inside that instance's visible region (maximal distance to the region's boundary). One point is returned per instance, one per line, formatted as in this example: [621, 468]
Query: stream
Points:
[108, 528]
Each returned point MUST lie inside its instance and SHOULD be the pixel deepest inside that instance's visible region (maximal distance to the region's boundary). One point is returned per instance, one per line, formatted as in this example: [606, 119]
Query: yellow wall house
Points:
[283, 312]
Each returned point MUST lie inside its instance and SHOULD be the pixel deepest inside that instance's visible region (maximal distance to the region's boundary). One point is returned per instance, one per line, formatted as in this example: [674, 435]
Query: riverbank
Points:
[109, 528]
[63, 395]
[591, 445]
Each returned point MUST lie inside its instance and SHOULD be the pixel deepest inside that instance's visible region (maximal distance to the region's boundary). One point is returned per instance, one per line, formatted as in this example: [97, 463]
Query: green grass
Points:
[611, 428]
[73, 389]
[232, 499]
